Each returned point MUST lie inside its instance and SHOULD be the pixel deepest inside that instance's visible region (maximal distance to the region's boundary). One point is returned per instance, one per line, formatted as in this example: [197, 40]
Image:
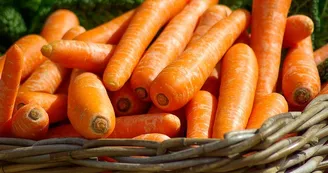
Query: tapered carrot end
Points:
[46, 50]
[302, 95]
[123, 104]
[100, 125]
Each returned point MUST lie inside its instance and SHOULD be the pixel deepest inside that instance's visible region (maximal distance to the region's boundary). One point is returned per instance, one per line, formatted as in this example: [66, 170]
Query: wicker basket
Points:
[255, 151]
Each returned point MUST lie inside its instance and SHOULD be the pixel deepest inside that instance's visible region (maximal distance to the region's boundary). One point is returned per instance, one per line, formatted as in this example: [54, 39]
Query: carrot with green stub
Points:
[267, 32]
[98, 120]
[200, 112]
[320, 58]
[135, 125]
[30, 122]
[237, 90]
[73, 32]
[157, 137]
[58, 23]
[300, 78]
[63, 131]
[148, 19]
[212, 83]
[110, 32]
[79, 54]
[183, 78]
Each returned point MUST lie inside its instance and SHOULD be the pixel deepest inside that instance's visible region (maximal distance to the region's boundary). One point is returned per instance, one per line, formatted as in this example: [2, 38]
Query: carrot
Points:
[157, 137]
[9, 84]
[63, 87]
[320, 58]
[184, 77]
[243, 38]
[167, 47]
[298, 27]
[149, 18]
[2, 63]
[62, 131]
[54, 105]
[98, 120]
[267, 32]
[200, 113]
[268, 106]
[31, 122]
[135, 125]
[125, 102]
[237, 90]
[300, 78]
[212, 83]
[58, 23]
[324, 89]
[73, 32]
[110, 32]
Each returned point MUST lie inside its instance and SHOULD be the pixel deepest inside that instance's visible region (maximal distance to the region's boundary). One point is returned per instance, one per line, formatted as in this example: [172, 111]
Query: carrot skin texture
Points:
[267, 31]
[73, 32]
[2, 63]
[269, 105]
[58, 23]
[212, 83]
[63, 131]
[136, 39]
[157, 137]
[321, 54]
[110, 32]
[182, 79]
[87, 91]
[300, 76]
[237, 89]
[164, 123]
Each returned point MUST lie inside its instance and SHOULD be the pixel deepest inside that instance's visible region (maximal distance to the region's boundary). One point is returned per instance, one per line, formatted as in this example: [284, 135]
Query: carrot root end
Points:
[302, 95]
[141, 93]
[100, 125]
[162, 99]
[123, 104]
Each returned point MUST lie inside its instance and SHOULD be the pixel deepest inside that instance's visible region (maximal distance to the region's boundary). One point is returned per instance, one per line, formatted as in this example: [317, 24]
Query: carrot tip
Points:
[123, 104]
[100, 125]
[34, 114]
[141, 93]
[46, 50]
[302, 95]
[162, 99]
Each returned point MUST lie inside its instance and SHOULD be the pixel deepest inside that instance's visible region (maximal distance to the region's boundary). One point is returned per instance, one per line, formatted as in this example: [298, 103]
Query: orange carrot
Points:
[110, 32]
[58, 23]
[267, 32]
[300, 78]
[149, 18]
[183, 78]
[79, 54]
[324, 89]
[125, 102]
[73, 32]
[200, 113]
[268, 106]
[243, 38]
[30, 122]
[54, 105]
[9, 84]
[212, 83]
[2, 63]
[157, 137]
[62, 131]
[135, 125]
[321, 54]
[167, 47]
[98, 120]
[298, 27]
[237, 90]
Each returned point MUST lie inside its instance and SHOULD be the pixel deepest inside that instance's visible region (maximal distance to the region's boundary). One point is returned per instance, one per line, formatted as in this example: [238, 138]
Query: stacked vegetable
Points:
[165, 69]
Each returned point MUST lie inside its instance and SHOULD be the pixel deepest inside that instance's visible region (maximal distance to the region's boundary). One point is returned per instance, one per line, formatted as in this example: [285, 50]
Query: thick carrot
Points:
[212, 83]
[2, 63]
[149, 18]
[267, 32]
[237, 90]
[300, 78]
[135, 125]
[200, 113]
[73, 32]
[268, 106]
[89, 109]
[62, 131]
[54, 104]
[126, 102]
[79, 54]
[157, 137]
[9, 83]
[184, 77]
[298, 27]
[110, 32]
[167, 47]
[30, 122]
[58, 23]
[320, 58]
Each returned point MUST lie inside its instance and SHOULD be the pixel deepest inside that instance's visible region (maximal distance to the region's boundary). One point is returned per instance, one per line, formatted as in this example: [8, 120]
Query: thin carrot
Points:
[157, 137]
[135, 125]
[268, 106]
[200, 113]
[30, 122]
[54, 104]
[298, 27]
[125, 102]
[73, 32]
[184, 77]
[9, 84]
[267, 32]
[62, 131]
[2, 63]
[79, 54]
[149, 18]
[237, 90]
[58, 23]
[110, 32]
[167, 47]
[320, 58]
[212, 83]
[243, 38]
[98, 120]
[300, 78]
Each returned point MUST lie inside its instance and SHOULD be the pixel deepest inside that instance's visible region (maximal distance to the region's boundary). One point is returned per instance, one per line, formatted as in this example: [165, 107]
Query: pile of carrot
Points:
[173, 68]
